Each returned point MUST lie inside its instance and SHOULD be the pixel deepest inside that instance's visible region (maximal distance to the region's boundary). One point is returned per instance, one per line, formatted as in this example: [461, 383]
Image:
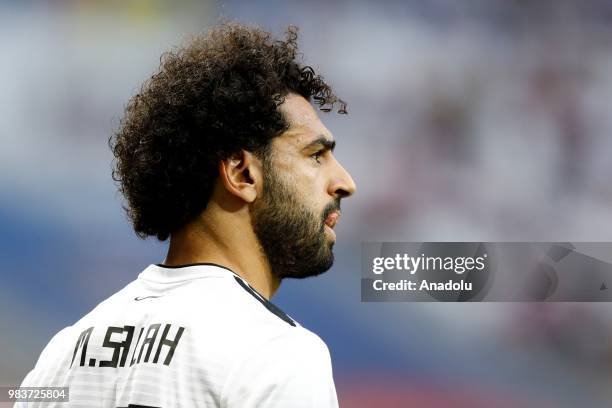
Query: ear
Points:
[241, 175]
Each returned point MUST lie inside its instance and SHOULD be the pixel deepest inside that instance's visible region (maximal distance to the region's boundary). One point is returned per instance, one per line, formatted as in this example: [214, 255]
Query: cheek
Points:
[312, 190]
[300, 173]
[307, 181]
[315, 198]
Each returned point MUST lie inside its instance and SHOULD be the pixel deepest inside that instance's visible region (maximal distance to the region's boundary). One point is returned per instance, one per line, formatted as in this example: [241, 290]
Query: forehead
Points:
[304, 123]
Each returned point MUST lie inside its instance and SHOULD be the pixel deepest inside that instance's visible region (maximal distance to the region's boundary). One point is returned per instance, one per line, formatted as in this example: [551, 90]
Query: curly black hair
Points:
[215, 96]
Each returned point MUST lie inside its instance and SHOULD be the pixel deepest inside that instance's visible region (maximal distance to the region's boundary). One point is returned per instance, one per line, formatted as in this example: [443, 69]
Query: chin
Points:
[310, 269]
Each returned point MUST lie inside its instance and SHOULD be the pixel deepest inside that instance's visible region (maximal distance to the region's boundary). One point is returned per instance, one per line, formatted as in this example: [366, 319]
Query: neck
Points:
[226, 239]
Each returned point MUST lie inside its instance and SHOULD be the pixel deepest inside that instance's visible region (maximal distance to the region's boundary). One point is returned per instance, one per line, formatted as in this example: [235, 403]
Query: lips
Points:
[332, 219]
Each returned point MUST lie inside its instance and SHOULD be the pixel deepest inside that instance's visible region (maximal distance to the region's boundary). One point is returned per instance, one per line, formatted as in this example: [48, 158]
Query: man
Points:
[223, 153]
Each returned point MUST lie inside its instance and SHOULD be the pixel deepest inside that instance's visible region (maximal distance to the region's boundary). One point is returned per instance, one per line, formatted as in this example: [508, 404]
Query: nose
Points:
[342, 184]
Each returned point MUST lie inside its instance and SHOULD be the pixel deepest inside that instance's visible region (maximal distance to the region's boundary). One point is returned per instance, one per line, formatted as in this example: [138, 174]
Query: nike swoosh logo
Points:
[137, 298]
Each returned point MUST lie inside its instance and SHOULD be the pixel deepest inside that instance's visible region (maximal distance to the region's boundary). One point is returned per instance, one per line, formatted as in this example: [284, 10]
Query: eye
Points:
[317, 156]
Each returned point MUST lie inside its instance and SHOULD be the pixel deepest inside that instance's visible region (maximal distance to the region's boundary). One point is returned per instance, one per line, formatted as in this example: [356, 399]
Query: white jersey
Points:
[190, 336]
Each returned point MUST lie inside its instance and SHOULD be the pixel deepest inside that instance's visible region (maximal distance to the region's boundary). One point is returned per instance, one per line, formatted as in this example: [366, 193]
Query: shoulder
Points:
[299, 344]
[231, 314]
[291, 369]
[232, 304]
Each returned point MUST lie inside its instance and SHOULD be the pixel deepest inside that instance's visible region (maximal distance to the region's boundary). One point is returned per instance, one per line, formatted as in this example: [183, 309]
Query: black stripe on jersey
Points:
[271, 307]
[138, 406]
[195, 264]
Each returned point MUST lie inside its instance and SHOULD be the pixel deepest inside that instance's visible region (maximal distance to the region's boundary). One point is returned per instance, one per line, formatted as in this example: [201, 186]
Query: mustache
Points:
[334, 206]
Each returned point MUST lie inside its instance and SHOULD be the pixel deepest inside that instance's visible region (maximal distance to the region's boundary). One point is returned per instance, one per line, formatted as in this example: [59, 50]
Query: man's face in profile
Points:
[300, 204]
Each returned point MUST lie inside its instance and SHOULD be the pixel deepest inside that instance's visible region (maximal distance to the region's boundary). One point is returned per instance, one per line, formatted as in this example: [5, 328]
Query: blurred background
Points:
[468, 120]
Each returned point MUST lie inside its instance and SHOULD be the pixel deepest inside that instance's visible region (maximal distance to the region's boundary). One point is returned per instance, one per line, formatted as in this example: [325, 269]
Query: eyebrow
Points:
[323, 141]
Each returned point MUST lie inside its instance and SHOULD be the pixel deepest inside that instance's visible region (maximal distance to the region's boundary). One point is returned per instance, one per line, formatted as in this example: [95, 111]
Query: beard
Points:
[291, 236]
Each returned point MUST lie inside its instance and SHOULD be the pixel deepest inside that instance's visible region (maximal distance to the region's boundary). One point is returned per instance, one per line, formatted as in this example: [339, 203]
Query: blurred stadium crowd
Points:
[476, 120]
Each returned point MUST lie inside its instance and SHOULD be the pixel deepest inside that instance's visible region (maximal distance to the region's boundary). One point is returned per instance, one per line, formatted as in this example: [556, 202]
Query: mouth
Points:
[332, 219]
